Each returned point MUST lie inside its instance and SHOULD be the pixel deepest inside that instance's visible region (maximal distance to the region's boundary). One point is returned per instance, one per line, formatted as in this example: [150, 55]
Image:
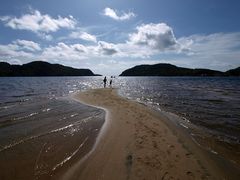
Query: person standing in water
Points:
[110, 83]
[104, 81]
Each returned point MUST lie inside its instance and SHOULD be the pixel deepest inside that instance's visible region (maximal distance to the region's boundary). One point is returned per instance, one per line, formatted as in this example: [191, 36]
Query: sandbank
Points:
[136, 143]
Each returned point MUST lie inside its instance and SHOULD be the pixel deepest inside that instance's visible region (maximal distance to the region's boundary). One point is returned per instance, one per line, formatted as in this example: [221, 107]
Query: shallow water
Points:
[43, 130]
[208, 107]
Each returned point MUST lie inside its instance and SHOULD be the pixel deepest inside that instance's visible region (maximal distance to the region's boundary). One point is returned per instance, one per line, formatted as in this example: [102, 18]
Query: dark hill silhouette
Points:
[172, 70]
[233, 72]
[40, 68]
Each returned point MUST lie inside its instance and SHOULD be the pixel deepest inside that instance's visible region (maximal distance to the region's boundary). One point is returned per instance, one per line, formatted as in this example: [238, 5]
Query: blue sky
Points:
[109, 36]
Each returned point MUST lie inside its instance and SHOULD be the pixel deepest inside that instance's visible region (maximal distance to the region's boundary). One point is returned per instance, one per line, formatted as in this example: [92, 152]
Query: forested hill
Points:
[172, 70]
[40, 68]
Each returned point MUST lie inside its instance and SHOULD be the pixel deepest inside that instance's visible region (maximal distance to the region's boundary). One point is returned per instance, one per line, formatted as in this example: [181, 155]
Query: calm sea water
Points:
[39, 112]
[42, 129]
[208, 107]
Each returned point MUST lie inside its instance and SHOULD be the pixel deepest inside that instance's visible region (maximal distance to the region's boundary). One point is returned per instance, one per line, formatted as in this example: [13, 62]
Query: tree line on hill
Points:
[40, 68]
[171, 70]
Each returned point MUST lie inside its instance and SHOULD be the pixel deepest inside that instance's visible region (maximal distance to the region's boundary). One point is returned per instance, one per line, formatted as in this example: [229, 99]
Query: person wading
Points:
[104, 81]
[110, 83]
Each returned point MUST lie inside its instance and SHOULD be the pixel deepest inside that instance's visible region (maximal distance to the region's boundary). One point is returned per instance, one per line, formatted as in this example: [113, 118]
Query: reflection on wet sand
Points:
[43, 144]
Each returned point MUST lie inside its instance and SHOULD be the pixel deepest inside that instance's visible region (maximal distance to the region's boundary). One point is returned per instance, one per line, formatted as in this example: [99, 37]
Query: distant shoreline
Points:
[45, 69]
[162, 69]
[41, 69]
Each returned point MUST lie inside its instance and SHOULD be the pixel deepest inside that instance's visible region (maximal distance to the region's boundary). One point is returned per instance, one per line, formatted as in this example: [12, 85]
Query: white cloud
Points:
[114, 14]
[78, 51]
[217, 43]
[107, 48]
[65, 52]
[217, 51]
[150, 39]
[28, 45]
[38, 23]
[83, 35]
[133, 51]
[45, 36]
[20, 51]
[14, 51]
[155, 36]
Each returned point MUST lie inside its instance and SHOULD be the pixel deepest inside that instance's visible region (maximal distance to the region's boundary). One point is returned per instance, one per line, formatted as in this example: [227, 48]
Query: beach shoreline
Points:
[137, 143]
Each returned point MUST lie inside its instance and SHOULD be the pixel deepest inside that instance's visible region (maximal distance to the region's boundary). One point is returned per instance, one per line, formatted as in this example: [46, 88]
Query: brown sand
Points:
[136, 144]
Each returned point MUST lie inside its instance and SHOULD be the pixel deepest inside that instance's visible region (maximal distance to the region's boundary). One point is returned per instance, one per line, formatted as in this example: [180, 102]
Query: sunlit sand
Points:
[135, 143]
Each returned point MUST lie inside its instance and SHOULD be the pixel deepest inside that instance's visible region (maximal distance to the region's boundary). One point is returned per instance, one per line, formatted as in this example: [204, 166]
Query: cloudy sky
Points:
[109, 36]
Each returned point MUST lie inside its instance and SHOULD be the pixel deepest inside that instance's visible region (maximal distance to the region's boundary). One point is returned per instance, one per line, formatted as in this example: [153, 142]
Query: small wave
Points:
[194, 140]
[61, 129]
[18, 142]
[46, 110]
[183, 125]
[16, 120]
[24, 95]
[32, 137]
[12, 102]
[215, 101]
[27, 116]
[46, 133]
[214, 152]
[69, 157]
[73, 115]
[7, 107]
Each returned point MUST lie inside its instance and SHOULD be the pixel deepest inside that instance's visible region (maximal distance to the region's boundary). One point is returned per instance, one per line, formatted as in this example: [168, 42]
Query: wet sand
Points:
[136, 143]
[45, 145]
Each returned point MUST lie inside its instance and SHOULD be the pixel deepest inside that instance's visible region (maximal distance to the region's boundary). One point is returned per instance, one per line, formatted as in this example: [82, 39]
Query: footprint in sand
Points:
[129, 160]
[139, 140]
[170, 149]
[190, 174]
[188, 154]
[177, 158]
[155, 145]
[167, 176]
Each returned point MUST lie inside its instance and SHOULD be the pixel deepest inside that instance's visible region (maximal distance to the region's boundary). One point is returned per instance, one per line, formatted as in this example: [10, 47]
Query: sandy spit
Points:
[135, 143]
